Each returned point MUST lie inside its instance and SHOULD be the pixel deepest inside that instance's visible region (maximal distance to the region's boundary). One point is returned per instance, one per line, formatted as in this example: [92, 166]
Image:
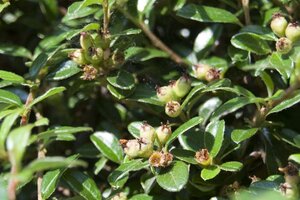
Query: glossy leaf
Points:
[145, 94]
[123, 170]
[208, 107]
[109, 146]
[174, 177]
[210, 172]
[134, 128]
[295, 157]
[286, 103]
[239, 135]
[284, 65]
[250, 42]
[14, 50]
[11, 77]
[49, 93]
[216, 130]
[82, 184]
[184, 155]
[207, 14]
[9, 98]
[231, 166]
[183, 128]
[64, 71]
[143, 54]
[122, 80]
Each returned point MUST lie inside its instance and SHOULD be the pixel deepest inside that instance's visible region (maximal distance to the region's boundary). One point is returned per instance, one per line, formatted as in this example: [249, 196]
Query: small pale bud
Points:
[165, 93]
[278, 24]
[147, 132]
[182, 86]
[292, 31]
[283, 45]
[203, 158]
[163, 133]
[173, 109]
[78, 57]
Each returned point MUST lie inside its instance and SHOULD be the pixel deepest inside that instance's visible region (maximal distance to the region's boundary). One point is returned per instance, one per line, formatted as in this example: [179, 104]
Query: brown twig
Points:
[155, 40]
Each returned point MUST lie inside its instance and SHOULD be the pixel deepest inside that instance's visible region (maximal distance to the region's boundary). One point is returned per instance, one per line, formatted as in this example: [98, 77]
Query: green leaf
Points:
[123, 170]
[262, 32]
[48, 163]
[216, 130]
[208, 107]
[130, 31]
[291, 137]
[286, 103]
[192, 93]
[250, 42]
[16, 144]
[268, 82]
[49, 183]
[6, 125]
[144, 54]
[15, 50]
[3, 5]
[184, 155]
[231, 166]
[284, 65]
[233, 105]
[210, 172]
[9, 98]
[183, 128]
[118, 93]
[11, 77]
[207, 14]
[51, 178]
[49, 93]
[99, 165]
[144, 7]
[141, 197]
[206, 40]
[81, 9]
[109, 146]
[82, 184]
[174, 177]
[239, 135]
[295, 157]
[122, 80]
[64, 71]
[145, 94]
[134, 128]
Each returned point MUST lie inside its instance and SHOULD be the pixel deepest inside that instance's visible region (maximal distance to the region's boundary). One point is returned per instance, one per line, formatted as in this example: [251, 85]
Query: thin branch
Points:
[245, 4]
[106, 17]
[155, 40]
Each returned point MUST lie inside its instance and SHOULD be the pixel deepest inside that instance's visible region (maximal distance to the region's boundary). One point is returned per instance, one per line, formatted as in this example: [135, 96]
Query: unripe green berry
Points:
[78, 57]
[163, 133]
[86, 41]
[182, 86]
[165, 93]
[94, 55]
[102, 42]
[147, 132]
[292, 31]
[278, 24]
[283, 45]
[173, 109]
[203, 158]
[212, 74]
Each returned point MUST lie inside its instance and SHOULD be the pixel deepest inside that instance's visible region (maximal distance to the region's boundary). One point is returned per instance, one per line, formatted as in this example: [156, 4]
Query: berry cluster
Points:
[144, 146]
[289, 33]
[95, 56]
[172, 93]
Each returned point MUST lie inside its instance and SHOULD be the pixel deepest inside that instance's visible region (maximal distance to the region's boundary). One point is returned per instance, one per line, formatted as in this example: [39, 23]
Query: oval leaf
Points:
[214, 136]
[109, 146]
[231, 166]
[239, 135]
[173, 178]
[122, 80]
[210, 172]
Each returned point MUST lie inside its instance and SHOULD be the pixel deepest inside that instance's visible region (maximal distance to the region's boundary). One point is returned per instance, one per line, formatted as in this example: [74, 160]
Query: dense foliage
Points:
[149, 99]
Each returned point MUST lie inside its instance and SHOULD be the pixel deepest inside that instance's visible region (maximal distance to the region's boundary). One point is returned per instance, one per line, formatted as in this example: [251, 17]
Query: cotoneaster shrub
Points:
[149, 99]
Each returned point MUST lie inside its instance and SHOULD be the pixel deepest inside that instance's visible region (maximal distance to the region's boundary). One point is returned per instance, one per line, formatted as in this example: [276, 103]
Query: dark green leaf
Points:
[174, 177]
[208, 107]
[109, 146]
[214, 136]
[145, 94]
[80, 9]
[64, 71]
[207, 14]
[122, 80]
[82, 184]
[49, 93]
[14, 50]
[183, 128]
[144, 54]
[286, 103]
[250, 42]
[184, 155]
